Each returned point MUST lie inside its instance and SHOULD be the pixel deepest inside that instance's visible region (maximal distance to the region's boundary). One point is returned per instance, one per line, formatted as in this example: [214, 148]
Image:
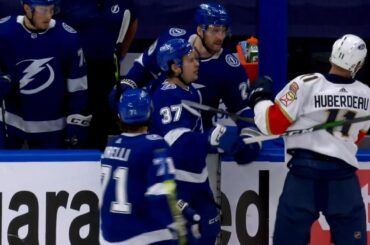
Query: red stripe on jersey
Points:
[277, 120]
[360, 136]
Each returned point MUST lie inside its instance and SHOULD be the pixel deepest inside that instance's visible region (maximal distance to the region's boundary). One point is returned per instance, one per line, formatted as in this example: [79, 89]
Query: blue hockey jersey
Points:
[134, 205]
[221, 77]
[48, 76]
[183, 131]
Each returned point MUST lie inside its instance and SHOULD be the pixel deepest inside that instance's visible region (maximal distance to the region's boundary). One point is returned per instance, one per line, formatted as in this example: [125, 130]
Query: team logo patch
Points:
[176, 32]
[38, 75]
[294, 87]
[5, 19]
[68, 28]
[114, 9]
[288, 98]
[232, 60]
[357, 235]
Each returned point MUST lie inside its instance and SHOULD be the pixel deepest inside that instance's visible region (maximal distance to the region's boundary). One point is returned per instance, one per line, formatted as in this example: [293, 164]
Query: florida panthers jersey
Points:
[98, 24]
[313, 99]
[48, 75]
[220, 76]
[134, 206]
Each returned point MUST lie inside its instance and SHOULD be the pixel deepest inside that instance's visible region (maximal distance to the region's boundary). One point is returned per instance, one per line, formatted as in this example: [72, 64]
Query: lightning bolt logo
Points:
[31, 71]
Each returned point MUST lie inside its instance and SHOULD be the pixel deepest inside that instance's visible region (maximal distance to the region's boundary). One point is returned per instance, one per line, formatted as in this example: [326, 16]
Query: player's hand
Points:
[224, 138]
[191, 217]
[77, 130]
[261, 89]
[116, 92]
[5, 84]
[247, 153]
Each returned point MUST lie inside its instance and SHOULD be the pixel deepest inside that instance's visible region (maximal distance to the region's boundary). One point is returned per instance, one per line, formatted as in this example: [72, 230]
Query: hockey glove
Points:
[224, 138]
[77, 130]
[191, 216]
[117, 91]
[5, 82]
[261, 89]
[247, 153]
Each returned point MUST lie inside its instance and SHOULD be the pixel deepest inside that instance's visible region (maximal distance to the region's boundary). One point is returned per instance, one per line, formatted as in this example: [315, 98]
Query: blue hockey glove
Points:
[191, 217]
[224, 138]
[77, 130]
[116, 92]
[5, 83]
[261, 89]
[247, 153]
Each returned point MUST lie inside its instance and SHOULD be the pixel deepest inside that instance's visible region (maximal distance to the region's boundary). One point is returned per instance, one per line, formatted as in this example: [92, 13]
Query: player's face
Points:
[214, 37]
[190, 67]
[41, 16]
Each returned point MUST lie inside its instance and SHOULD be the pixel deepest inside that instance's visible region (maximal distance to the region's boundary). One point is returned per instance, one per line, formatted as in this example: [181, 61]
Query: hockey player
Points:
[322, 164]
[44, 59]
[189, 145]
[99, 25]
[134, 170]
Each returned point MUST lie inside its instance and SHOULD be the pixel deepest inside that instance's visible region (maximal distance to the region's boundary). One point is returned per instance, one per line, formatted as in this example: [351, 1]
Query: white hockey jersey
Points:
[313, 99]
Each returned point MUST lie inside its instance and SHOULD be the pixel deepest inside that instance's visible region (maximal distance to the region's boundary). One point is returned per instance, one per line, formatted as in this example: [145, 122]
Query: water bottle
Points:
[252, 55]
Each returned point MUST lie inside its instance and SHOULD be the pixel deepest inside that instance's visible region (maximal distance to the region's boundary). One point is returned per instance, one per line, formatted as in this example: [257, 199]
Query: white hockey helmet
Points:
[349, 52]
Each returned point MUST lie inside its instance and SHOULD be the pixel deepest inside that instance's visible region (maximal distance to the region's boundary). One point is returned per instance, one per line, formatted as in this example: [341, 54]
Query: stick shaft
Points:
[202, 107]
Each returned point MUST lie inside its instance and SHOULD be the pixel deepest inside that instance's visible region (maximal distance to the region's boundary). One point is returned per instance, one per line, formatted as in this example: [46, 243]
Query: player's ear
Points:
[175, 69]
[200, 31]
[27, 9]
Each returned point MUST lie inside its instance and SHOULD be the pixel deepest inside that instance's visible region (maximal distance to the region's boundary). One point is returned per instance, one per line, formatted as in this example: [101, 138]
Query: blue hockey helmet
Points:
[135, 106]
[39, 2]
[212, 14]
[173, 51]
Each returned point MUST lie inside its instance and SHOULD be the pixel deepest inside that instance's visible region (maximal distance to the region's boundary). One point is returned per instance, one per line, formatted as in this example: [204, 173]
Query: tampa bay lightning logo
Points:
[115, 9]
[176, 32]
[232, 60]
[37, 75]
[167, 85]
[68, 28]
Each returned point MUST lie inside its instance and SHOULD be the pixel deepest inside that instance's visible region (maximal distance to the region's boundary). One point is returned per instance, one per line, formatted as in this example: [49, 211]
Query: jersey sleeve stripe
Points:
[278, 121]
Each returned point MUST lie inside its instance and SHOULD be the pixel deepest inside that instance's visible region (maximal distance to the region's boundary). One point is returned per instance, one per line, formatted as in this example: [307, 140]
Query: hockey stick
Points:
[180, 228]
[124, 27]
[121, 35]
[320, 126]
[234, 116]
[179, 224]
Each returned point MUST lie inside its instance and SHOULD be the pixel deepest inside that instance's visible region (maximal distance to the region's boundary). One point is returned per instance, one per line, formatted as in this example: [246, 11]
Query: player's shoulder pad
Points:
[153, 137]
